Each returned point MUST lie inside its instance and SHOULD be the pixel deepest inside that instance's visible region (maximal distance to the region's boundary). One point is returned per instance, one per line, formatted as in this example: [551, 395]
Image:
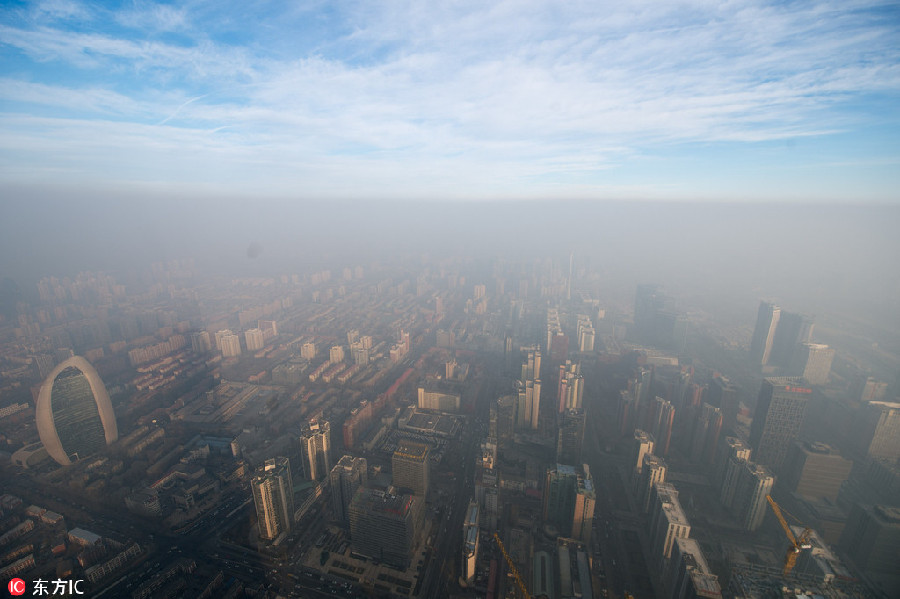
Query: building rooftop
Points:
[411, 450]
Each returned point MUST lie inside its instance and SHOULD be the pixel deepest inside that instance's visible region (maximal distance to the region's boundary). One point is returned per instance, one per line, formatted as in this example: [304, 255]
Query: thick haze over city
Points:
[450, 300]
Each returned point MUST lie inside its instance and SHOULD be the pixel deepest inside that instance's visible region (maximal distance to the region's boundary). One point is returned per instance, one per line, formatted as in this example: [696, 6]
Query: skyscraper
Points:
[560, 489]
[315, 449]
[793, 330]
[273, 494]
[385, 526]
[74, 416]
[347, 476]
[812, 361]
[410, 467]
[570, 437]
[877, 429]
[764, 333]
[780, 409]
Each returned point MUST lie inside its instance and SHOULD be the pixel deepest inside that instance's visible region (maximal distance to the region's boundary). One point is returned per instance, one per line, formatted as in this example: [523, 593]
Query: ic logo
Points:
[16, 587]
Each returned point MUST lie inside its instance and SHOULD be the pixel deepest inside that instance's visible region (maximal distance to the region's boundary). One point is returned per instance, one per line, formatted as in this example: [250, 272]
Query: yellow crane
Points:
[797, 544]
[512, 567]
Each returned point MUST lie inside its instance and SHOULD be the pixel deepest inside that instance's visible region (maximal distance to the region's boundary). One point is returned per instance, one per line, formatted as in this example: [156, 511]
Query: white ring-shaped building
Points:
[74, 416]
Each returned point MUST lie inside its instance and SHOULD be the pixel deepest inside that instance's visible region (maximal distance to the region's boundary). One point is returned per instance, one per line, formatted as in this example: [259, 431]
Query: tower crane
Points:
[797, 543]
[512, 567]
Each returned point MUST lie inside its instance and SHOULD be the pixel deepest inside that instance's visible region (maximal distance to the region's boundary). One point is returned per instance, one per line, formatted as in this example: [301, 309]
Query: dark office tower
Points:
[721, 394]
[625, 412]
[780, 409]
[705, 439]
[649, 300]
[273, 495]
[506, 417]
[410, 467]
[315, 449]
[815, 470]
[347, 476]
[559, 496]
[571, 437]
[764, 333]
[74, 416]
[872, 540]
[385, 526]
[793, 330]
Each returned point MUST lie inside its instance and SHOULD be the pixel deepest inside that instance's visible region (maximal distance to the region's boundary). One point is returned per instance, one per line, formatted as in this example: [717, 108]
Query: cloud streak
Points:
[559, 96]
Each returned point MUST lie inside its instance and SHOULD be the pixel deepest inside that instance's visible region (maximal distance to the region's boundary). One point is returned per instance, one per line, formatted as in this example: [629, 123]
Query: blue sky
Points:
[717, 101]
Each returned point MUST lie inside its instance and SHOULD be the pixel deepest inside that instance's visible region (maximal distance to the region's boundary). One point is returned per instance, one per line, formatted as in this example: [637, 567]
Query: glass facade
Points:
[75, 414]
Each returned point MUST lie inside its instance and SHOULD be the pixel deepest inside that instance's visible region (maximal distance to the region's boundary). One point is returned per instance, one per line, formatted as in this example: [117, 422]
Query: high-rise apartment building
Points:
[689, 575]
[384, 526]
[661, 417]
[667, 522]
[254, 339]
[273, 495]
[705, 439]
[336, 354]
[315, 449]
[228, 343]
[347, 476]
[585, 500]
[410, 466]
[570, 388]
[200, 342]
[653, 471]
[732, 454]
[642, 445]
[308, 350]
[74, 416]
[722, 394]
[749, 505]
[780, 410]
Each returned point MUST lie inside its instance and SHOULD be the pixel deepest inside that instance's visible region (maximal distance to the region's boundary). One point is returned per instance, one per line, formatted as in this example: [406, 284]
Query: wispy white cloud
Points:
[504, 91]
